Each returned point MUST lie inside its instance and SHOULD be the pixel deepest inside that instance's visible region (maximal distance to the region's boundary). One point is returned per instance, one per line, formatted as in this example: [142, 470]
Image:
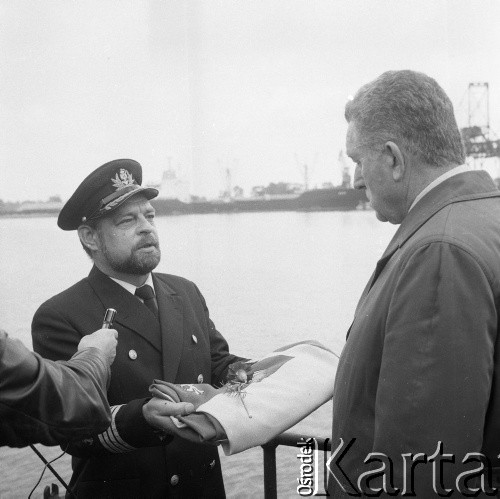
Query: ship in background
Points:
[482, 150]
[174, 198]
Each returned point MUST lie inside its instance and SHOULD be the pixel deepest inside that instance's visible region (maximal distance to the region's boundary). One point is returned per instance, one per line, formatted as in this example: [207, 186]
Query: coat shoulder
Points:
[472, 227]
[73, 294]
[467, 223]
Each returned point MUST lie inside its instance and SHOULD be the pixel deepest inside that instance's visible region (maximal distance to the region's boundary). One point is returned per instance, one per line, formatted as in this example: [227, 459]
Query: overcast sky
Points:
[255, 86]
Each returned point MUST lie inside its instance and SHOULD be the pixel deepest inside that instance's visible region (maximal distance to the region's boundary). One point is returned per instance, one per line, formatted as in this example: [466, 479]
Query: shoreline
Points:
[30, 215]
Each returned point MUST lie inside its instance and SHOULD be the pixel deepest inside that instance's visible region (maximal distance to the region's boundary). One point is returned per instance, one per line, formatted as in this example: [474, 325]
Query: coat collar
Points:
[459, 188]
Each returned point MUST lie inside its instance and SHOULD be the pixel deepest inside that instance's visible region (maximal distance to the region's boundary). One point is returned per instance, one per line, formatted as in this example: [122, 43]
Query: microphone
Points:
[109, 317]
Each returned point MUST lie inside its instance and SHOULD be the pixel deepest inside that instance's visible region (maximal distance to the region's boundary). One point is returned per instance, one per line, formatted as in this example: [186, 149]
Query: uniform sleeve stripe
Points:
[104, 437]
[108, 445]
[110, 439]
[114, 429]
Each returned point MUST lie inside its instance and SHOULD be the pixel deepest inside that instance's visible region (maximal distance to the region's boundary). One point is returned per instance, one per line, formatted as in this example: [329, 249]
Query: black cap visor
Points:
[109, 205]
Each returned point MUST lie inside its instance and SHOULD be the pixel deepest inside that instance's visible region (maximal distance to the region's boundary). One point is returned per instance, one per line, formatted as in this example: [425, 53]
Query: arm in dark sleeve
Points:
[50, 402]
[219, 349]
[128, 431]
[55, 337]
[436, 372]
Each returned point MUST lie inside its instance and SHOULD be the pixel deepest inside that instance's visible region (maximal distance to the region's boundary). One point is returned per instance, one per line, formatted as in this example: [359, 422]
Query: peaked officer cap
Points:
[103, 191]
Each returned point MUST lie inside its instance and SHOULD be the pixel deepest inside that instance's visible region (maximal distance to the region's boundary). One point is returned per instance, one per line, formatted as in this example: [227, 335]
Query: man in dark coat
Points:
[416, 408]
[165, 332]
[53, 403]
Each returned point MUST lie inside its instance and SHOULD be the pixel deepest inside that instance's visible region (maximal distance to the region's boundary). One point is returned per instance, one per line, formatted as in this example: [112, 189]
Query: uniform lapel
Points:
[171, 322]
[130, 312]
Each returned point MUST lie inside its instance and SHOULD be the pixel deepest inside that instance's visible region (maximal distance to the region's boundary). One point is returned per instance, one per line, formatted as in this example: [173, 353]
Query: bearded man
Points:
[164, 332]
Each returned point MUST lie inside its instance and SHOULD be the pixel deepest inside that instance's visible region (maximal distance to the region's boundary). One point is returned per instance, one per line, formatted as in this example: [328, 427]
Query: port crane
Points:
[479, 140]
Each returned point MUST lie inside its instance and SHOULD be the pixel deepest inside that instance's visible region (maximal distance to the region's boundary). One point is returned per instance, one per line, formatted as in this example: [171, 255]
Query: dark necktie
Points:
[147, 294]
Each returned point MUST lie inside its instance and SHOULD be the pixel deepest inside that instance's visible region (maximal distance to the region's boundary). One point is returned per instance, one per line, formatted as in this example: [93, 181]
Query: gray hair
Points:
[410, 108]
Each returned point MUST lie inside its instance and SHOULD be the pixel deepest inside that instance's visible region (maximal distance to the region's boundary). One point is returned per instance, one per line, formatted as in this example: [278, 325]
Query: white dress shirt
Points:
[131, 288]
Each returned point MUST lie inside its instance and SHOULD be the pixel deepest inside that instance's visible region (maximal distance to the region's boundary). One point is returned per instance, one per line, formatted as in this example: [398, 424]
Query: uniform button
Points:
[212, 464]
[200, 378]
[132, 354]
[195, 339]
[174, 480]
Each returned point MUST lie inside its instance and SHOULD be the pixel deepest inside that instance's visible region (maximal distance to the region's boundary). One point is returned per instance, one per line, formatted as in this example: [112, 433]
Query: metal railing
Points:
[288, 439]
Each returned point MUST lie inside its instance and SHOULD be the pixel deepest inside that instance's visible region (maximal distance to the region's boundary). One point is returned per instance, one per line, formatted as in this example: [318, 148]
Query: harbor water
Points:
[269, 279]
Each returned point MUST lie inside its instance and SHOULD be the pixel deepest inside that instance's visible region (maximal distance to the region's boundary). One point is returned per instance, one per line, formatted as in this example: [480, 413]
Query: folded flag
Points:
[261, 399]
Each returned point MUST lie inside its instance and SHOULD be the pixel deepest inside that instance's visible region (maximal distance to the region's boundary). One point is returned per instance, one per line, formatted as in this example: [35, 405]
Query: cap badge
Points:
[124, 180]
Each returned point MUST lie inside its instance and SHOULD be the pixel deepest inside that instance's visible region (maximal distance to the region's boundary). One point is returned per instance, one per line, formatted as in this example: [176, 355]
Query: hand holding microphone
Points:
[104, 339]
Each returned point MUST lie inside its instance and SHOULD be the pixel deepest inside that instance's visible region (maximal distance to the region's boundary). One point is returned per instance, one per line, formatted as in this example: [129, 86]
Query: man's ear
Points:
[88, 237]
[398, 160]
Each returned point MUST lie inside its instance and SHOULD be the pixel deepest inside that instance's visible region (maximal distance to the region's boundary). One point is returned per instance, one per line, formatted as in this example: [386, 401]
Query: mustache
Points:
[150, 241]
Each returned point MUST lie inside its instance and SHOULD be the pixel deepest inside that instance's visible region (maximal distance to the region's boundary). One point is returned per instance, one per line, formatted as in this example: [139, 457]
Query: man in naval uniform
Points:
[164, 330]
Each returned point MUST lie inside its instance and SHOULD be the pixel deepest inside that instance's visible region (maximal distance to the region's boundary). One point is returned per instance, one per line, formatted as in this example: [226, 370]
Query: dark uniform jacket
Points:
[184, 347]
[50, 402]
[421, 361]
